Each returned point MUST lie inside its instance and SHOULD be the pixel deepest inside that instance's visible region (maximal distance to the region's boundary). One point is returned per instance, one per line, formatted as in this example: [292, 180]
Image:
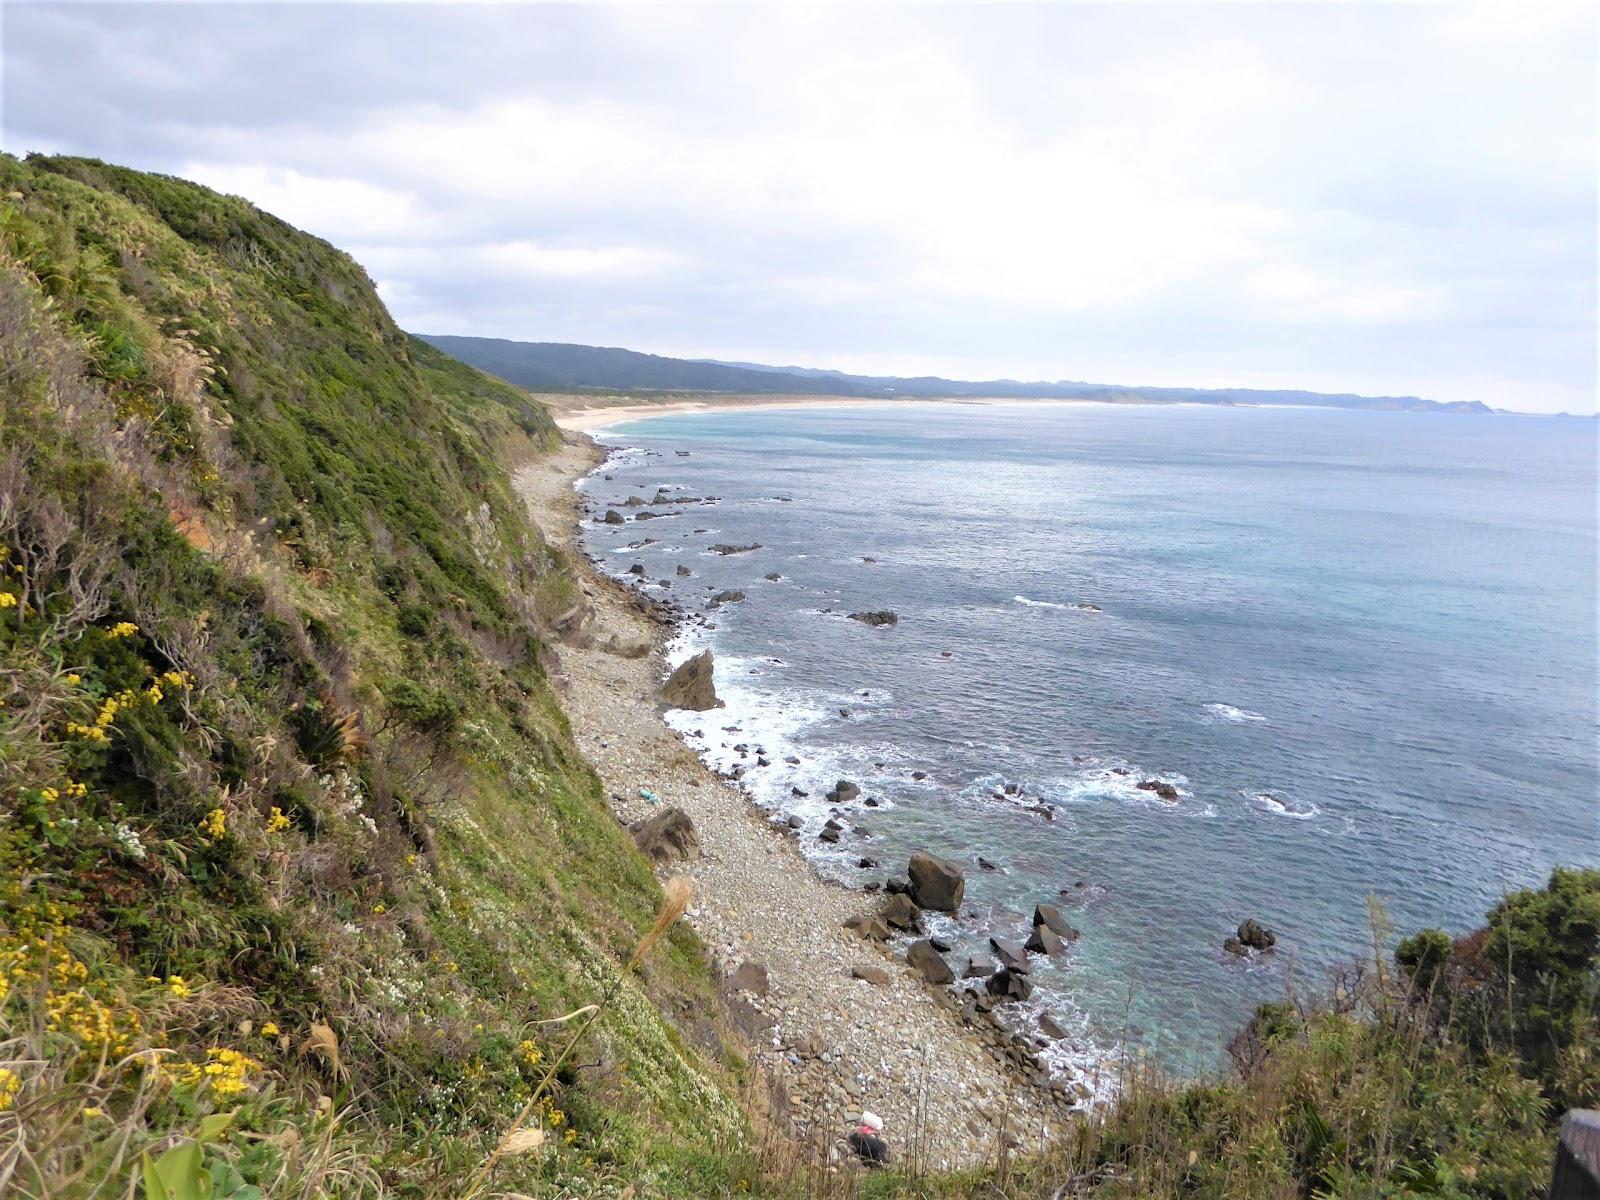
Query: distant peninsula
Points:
[566, 367]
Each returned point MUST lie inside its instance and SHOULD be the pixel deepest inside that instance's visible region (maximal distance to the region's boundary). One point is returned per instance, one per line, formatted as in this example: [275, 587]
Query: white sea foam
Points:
[1227, 712]
[1280, 807]
[1037, 603]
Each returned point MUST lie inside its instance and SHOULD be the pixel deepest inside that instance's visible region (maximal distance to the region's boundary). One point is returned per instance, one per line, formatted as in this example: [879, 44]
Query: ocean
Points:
[1362, 647]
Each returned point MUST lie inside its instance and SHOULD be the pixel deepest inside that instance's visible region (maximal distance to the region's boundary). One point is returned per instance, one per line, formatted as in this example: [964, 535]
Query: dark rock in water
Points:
[942, 945]
[832, 824]
[867, 558]
[795, 823]
[1049, 916]
[1252, 935]
[1121, 771]
[875, 619]
[636, 569]
[684, 571]
[635, 502]
[792, 760]
[1087, 607]
[870, 802]
[845, 713]
[613, 517]
[772, 577]
[725, 548]
[897, 887]
[1043, 940]
[919, 776]
[1050, 1027]
[750, 977]
[1013, 789]
[1160, 787]
[763, 761]
[831, 836]
[936, 883]
[727, 596]
[681, 453]
[690, 685]
[843, 792]
[901, 913]
[666, 836]
[1011, 955]
[929, 963]
[980, 966]
[1008, 985]
[867, 864]
[794, 791]
[985, 865]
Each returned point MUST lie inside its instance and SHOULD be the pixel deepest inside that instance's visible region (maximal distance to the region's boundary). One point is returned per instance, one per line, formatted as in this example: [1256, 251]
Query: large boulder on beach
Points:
[936, 883]
[876, 619]
[667, 836]
[900, 913]
[980, 966]
[929, 963]
[1011, 954]
[1008, 985]
[628, 645]
[868, 928]
[690, 686]
[1049, 916]
[1044, 940]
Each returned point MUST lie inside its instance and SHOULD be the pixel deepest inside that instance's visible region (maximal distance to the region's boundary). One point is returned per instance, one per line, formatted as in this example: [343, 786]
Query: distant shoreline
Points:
[583, 420]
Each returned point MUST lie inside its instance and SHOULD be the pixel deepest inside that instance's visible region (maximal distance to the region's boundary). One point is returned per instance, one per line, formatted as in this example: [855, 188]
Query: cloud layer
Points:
[1376, 198]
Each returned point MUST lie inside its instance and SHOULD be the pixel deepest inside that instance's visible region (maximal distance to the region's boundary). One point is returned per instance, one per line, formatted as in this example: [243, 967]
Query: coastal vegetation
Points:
[306, 890]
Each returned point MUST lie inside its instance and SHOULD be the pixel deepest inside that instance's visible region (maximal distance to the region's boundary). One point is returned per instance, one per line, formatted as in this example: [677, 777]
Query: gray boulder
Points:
[667, 836]
[929, 963]
[936, 883]
[690, 686]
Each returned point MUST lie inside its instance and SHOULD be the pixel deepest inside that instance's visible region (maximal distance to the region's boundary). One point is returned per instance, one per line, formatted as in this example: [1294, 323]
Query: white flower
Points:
[128, 839]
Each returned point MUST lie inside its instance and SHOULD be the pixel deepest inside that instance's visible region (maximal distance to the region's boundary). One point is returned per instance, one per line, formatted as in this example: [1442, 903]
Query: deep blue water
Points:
[1363, 645]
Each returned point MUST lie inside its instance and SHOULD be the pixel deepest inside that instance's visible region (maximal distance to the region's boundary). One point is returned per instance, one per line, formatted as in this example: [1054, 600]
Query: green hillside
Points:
[293, 825]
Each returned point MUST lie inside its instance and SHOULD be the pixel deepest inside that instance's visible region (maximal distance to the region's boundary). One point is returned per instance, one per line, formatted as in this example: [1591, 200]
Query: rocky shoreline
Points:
[841, 1019]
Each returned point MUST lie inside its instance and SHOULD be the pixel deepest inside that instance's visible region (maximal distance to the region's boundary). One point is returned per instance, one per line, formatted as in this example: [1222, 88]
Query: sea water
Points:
[1361, 647]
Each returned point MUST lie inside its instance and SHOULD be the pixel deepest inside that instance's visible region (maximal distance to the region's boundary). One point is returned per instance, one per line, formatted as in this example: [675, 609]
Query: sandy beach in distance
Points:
[575, 412]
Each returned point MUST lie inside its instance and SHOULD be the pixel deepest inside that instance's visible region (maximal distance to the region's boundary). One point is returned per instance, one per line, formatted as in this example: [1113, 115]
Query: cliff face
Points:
[290, 820]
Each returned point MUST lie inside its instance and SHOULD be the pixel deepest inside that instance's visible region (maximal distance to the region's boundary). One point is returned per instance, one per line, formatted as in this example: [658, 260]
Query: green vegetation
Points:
[299, 864]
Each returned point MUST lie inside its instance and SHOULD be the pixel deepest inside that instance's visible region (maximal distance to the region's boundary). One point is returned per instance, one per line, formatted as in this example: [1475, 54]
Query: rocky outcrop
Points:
[923, 958]
[613, 517]
[1160, 787]
[1044, 940]
[750, 977]
[1049, 916]
[668, 836]
[936, 883]
[876, 619]
[1252, 935]
[725, 548]
[726, 596]
[843, 792]
[980, 966]
[690, 685]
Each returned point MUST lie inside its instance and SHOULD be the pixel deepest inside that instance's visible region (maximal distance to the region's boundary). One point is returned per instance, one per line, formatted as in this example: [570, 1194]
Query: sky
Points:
[1379, 198]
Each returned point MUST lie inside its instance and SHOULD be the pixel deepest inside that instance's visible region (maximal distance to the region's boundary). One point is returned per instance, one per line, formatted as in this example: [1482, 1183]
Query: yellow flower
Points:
[10, 1085]
[49, 795]
[215, 823]
[7, 600]
[122, 629]
[91, 1111]
[277, 822]
[269, 1029]
[178, 987]
[74, 680]
[379, 909]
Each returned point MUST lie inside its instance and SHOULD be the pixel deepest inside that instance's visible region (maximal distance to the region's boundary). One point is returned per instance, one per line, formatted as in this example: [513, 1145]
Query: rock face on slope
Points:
[690, 685]
[668, 836]
[936, 883]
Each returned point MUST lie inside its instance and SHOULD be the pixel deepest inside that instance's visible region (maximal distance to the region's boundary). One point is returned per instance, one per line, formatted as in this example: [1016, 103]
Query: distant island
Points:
[566, 367]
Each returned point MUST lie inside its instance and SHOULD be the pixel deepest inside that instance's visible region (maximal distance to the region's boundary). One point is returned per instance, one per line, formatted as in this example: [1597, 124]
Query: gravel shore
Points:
[835, 1044]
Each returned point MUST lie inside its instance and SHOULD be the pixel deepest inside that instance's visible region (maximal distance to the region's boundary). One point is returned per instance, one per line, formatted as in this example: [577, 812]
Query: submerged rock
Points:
[690, 686]
[726, 548]
[1160, 787]
[875, 619]
[1251, 935]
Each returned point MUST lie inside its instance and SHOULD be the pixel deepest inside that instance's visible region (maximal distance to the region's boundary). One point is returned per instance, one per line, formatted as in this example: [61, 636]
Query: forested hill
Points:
[563, 366]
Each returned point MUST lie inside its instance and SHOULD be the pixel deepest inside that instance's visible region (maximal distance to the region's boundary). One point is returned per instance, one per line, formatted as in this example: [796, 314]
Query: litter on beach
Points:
[647, 794]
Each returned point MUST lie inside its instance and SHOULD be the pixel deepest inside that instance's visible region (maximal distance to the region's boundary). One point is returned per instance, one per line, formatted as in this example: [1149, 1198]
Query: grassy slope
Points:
[354, 803]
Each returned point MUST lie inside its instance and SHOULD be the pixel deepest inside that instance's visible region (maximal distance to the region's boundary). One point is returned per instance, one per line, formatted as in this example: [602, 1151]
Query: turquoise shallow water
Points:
[1361, 645]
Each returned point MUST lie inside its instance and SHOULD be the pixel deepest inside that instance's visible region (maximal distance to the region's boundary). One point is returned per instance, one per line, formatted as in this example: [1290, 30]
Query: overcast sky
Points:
[1376, 198]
